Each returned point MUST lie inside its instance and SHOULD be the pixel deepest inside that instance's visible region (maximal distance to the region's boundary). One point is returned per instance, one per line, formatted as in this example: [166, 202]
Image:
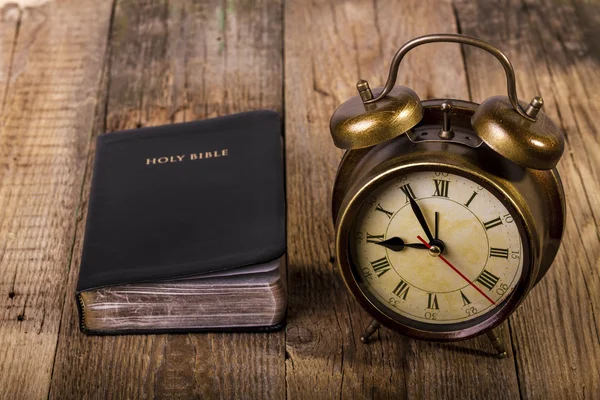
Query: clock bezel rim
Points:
[350, 209]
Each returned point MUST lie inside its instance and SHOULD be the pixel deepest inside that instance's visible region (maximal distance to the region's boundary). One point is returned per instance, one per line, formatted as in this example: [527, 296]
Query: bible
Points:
[185, 228]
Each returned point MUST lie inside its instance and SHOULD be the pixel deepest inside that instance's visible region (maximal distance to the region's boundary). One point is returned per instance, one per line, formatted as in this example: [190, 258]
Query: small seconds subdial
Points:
[436, 247]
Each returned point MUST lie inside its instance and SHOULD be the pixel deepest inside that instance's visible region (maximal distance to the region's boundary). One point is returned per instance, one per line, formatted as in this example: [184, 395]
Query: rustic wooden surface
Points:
[74, 69]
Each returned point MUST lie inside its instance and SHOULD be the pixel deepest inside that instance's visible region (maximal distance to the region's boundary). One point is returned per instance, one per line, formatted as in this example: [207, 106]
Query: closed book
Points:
[186, 228]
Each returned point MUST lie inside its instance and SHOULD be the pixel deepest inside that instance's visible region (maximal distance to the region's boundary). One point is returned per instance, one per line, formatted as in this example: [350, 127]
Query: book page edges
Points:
[236, 306]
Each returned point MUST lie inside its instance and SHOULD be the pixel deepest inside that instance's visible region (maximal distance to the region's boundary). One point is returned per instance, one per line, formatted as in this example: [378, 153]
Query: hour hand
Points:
[397, 244]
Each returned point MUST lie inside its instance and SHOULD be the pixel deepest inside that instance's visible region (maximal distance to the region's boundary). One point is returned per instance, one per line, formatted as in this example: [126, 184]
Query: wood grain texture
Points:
[345, 42]
[555, 332]
[49, 98]
[171, 62]
[10, 20]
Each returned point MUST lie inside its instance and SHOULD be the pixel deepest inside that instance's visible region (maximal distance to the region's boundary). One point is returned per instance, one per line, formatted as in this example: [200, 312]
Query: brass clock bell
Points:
[446, 212]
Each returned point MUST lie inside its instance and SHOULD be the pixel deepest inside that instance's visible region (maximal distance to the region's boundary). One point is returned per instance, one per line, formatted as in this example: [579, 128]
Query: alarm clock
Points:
[447, 212]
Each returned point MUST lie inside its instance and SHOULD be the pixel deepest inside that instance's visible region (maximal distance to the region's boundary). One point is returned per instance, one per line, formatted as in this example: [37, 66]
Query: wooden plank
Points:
[347, 41]
[51, 85]
[10, 19]
[171, 62]
[553, 45]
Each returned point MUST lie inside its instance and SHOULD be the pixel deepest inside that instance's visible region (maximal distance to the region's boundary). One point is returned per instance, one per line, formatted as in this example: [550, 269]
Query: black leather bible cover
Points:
[186, 199]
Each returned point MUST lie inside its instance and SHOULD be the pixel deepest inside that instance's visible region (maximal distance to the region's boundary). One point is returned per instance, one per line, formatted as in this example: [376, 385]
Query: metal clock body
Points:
[447, 213]
[459, 171]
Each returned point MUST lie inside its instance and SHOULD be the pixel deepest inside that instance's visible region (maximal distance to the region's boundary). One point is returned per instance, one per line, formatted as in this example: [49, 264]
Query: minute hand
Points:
[420, 217]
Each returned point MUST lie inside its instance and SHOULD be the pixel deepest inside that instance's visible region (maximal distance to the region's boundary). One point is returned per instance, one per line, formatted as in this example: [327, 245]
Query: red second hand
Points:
[457, 271]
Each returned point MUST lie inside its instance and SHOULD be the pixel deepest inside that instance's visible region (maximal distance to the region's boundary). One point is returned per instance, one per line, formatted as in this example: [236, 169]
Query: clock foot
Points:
[494, 337]
[369, 331]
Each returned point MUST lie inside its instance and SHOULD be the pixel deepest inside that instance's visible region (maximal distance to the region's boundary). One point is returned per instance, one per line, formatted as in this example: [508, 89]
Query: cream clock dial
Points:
[461, 261]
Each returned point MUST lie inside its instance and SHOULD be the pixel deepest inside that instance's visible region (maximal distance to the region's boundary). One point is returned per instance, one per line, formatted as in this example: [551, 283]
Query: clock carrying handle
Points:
[454, 38]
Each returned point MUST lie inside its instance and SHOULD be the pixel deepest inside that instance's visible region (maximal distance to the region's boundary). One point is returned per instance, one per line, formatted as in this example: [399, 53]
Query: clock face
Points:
[437, 249]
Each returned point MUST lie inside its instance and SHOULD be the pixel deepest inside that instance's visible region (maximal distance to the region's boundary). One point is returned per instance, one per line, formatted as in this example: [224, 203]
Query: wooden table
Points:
[72, 69]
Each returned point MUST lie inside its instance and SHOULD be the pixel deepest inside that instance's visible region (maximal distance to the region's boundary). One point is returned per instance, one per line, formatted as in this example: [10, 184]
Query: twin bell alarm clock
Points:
[447, 212]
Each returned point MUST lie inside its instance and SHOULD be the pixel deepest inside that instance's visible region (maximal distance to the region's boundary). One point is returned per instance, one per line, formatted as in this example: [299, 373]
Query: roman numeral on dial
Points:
[487, 279]
[465, 299]
[470, 199]
[496, 252]
[492, 223]
[381, 266]
[407, 191]
[386, 212]
[441, 187]
[401, 290]
[374, 238]
[432, 302]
